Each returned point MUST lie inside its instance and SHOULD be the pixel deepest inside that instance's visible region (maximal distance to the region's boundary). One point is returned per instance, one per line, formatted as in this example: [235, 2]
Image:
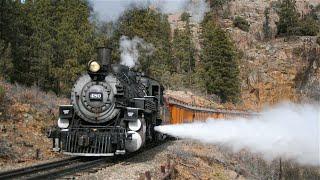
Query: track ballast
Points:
[70, 166]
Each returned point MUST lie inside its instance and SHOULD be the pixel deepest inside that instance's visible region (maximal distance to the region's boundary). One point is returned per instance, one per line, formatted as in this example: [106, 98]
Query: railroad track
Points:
[74, 168]
[38, 170]
[65, 167]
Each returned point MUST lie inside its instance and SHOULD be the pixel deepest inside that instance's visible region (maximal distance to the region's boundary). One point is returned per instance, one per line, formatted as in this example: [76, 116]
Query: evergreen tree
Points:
[21, 46]
[183, 50]
[217, 4]
[5, 60]
[14, 32]
[219, 67]
[8, 14]
[58, 40]
[73, 43]
[288, 18]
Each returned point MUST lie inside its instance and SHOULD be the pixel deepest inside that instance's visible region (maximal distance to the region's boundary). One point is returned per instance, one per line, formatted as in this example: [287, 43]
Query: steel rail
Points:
[36, 168]
[71, 169]
[69, 166]
[93, 163]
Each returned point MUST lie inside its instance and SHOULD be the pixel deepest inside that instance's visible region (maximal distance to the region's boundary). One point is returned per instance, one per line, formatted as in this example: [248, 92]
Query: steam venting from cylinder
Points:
[288, 131]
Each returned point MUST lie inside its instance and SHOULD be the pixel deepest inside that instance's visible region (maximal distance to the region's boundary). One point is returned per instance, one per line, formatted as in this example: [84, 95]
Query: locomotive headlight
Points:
[94, 66]
[63, 123]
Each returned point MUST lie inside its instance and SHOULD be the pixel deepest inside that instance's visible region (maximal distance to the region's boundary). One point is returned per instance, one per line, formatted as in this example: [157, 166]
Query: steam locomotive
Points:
[113, 111]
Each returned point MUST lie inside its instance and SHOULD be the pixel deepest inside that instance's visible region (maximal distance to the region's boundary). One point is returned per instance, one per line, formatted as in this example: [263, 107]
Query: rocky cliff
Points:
[277, 69]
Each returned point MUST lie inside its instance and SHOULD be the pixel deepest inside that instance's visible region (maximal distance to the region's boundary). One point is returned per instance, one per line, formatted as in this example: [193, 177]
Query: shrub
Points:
[290, 23]
[2, 94]
[216, 4]
[5, 150]
[309, 27]
[266, 24]
[241, 23]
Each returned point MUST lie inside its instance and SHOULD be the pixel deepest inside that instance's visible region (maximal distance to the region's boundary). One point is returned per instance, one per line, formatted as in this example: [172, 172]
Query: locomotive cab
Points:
[113, 110]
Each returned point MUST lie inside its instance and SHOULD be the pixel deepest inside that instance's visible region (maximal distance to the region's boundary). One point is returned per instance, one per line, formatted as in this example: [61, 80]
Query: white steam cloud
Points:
[288, 131]
[129, 49]
[111, 10]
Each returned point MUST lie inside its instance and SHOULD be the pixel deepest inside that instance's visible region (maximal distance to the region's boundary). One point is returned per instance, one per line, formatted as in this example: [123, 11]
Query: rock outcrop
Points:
[275, 69]
[278, 69]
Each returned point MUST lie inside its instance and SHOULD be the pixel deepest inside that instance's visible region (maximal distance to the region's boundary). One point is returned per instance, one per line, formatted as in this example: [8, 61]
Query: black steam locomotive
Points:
[113, 111]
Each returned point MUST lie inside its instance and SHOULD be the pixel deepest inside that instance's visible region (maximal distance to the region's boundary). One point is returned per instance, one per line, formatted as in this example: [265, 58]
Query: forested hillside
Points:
[48, 43]
[241, 54]
[45, 43]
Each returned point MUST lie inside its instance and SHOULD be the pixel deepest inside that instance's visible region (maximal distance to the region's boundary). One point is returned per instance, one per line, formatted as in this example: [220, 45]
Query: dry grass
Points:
[5, 149]
[203, 161]
[27, 112]
[39, 100]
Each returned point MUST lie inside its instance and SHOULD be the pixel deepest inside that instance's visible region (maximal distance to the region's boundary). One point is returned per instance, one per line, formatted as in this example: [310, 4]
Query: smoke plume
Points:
[129, 49]
[287, 130]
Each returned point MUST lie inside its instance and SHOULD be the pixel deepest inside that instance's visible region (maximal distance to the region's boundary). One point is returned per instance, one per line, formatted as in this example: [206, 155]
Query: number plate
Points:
[96, 96]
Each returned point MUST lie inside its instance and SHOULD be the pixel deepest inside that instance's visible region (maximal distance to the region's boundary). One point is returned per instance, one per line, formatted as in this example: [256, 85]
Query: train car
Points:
[179, 112]
[113, 111]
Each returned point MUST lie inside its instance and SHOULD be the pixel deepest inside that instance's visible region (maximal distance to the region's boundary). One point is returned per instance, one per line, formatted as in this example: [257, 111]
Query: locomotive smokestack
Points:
[104, 56]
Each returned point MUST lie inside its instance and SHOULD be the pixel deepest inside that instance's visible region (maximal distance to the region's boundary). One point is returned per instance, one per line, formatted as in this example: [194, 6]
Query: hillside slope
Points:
[278, 69]
[273, 70]
[24, 116]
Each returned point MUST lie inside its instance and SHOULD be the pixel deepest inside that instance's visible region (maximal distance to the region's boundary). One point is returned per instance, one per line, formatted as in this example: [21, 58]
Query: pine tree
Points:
[21, 44]
[288, 18]
[216, 4]
[7, 28]
[5, 60]
[14, 32]
[183, 50]
[73, 44]
[218, 62]
[63, 42]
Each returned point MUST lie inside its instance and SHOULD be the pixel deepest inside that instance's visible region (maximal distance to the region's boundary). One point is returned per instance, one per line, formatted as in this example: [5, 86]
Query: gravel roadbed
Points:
[180, 152]
[131, 168]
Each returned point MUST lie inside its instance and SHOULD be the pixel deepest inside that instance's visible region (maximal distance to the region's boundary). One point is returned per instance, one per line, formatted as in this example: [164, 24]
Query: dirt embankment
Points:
[24, 116]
